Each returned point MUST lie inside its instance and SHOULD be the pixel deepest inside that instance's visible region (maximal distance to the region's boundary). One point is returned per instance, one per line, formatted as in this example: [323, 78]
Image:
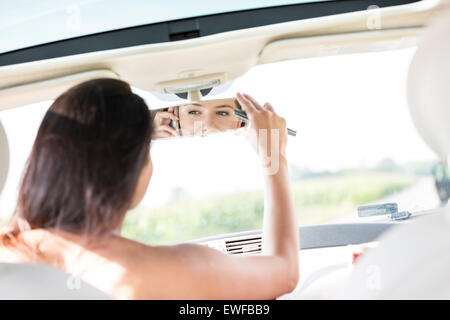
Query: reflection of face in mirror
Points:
[196, 119]
[206, 117]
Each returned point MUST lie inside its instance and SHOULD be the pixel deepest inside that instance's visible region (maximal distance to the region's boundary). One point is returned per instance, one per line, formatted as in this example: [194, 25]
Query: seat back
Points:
[33, 281]
[428, 85]
[4, 157]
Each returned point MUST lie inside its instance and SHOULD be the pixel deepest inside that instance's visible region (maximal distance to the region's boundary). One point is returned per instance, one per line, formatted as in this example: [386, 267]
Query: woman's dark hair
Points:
[86, 160]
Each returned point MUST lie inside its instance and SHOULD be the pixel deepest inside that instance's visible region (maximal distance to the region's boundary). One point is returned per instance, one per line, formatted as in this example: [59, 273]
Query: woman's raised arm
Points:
[199, 272]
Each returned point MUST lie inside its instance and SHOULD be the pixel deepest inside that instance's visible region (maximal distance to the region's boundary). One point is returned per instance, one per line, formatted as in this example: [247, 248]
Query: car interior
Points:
[187, 57]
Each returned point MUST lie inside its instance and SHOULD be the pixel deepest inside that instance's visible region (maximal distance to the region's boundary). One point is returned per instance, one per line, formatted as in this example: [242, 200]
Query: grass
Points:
[317, 200]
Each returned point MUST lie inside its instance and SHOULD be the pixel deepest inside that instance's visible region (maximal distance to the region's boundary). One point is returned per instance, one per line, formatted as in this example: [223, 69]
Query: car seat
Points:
[41, 282]
[4, 157]
[33, 281]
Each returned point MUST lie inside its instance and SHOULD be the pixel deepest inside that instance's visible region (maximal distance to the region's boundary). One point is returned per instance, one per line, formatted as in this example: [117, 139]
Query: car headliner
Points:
[224, 55]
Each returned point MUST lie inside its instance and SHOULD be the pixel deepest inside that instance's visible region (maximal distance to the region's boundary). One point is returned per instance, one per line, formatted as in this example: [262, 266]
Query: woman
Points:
[196, 119]
[208, 117]
[90, 163]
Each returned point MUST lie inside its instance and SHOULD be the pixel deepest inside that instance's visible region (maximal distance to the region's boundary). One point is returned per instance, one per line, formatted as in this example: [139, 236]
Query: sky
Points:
[63, 19]
[349, 111]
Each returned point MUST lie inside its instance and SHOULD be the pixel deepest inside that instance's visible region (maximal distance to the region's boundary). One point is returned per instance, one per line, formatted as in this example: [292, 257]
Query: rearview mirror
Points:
[197, 118]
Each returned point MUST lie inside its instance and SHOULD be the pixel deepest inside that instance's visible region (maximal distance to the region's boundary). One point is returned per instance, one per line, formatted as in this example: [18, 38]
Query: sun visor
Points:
[330, 45]
[47, 89]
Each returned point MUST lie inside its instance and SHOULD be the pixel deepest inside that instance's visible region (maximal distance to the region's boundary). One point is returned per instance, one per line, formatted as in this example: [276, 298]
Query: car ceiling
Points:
[65, 19]
[41, 73]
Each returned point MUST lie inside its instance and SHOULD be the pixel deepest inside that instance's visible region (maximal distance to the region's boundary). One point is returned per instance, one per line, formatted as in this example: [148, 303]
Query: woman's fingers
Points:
[254, 102]
[251, 103]
[246, 105]
[269, 107]
[263, 117]
[164, 118]
[166, 115]
[168, 129]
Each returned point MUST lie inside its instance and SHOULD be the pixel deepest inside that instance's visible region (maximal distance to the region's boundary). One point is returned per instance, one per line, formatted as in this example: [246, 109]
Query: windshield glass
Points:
[356, 145]
[25, 23]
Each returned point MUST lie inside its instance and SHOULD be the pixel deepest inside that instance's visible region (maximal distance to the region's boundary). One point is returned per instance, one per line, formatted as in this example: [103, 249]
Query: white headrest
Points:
[4, 157]
[429, 85]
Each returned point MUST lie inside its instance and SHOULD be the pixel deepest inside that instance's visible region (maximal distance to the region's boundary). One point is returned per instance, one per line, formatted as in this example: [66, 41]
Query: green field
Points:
[317, 200]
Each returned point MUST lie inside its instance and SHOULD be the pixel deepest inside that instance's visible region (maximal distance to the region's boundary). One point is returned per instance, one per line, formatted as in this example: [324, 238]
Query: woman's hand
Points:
[267, 130]
[161, 124]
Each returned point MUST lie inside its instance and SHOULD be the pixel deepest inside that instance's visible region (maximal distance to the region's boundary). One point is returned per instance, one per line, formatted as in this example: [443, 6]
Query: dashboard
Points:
[326, 253]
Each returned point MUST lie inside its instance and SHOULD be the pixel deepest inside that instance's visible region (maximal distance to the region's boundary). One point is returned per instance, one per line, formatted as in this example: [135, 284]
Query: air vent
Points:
[245, 245]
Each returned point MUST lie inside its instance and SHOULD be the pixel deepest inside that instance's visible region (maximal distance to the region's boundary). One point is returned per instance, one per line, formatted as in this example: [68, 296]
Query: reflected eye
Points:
[223, 113]
[194, 112]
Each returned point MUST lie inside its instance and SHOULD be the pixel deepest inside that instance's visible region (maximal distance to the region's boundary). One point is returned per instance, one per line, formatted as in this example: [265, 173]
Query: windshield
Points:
[356, 145]
[25, 23]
